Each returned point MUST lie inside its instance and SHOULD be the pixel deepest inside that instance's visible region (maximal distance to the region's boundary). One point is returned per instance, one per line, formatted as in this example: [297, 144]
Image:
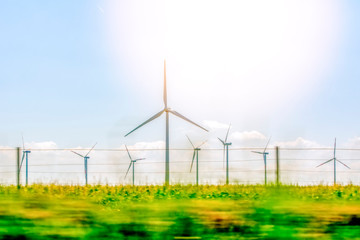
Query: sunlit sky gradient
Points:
[76, 72]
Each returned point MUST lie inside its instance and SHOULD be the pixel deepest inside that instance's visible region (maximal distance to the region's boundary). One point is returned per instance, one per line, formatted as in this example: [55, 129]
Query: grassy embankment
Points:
[179, 212]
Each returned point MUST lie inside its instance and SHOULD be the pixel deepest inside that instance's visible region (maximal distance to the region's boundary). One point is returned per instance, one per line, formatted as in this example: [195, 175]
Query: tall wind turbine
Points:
[167, 110]
[86, 158]
[132, 162]
[264, 153]
[334, 159]
[26, 157]
[226, 147]
[196, 153]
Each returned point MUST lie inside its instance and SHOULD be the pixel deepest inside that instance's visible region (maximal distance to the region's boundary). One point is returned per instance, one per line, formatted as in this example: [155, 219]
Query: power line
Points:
[183, 149]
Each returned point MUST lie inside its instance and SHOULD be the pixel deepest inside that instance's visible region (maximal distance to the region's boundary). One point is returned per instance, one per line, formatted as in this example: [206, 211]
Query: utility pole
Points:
[277, 165]
[18, 167]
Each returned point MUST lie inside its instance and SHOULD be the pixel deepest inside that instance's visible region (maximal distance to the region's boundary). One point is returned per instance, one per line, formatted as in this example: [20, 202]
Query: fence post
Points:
[277, 166]
[18, 167]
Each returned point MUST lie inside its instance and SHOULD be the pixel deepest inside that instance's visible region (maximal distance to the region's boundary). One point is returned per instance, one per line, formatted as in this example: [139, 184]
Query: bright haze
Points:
[75, 73]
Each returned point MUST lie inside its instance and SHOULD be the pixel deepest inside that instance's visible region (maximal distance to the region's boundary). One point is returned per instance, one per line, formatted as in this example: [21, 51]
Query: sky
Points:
[76, 73]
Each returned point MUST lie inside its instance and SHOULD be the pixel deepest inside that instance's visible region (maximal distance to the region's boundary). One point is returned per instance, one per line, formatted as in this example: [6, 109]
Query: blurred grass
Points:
[180, 212]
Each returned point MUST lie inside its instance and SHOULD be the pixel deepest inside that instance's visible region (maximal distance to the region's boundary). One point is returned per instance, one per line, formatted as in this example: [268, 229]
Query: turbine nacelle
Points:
[134, 161]
[262, 153]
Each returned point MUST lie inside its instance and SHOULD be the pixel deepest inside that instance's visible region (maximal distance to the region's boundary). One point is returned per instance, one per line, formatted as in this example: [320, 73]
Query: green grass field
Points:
[179, 212]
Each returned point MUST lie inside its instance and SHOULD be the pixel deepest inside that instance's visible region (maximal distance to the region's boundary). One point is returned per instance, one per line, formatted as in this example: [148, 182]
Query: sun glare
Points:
[239, 51]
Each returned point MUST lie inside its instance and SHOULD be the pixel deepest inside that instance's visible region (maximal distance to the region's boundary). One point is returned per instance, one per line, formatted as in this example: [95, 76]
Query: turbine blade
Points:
[343, 164]
[23, 142]
[335, 148]
[224, 157]
[227, 132]
[190, 141]
[257, 152]
[267, 144]
[77, 154]
[192, 162]
[139, 159]
[202, 144]
[165, 87]
[325, 162]
[222, 141]
[128, 169]
[22, 160]
[90, 150]
[128, 152]
[186, 119]
[147, 121]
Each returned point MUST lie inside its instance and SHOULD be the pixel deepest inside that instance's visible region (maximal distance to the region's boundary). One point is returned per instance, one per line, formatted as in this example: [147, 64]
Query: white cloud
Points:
[41, 145]
[299, 143]
[352, 143]
[248, 135]
[149, 145]
[215, 125]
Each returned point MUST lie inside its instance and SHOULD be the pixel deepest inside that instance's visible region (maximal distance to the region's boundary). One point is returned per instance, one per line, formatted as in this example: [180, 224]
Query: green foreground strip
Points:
[179, 212]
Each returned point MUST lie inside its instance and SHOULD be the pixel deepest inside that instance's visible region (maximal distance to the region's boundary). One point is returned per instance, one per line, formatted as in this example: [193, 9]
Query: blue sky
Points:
[76, 72]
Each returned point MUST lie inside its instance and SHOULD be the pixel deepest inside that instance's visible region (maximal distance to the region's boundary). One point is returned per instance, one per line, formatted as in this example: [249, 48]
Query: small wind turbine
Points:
[226, 146]
[264, 153]
[86, 157]
[26, 156]
[196, 153]
[132, 162]
[334, 159]
[167, 110]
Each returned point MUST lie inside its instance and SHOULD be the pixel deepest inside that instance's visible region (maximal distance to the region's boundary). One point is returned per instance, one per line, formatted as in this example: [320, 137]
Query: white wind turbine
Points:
[86, 158]
[226, 147]
[195, 154]
[26, 157]
[335, 160]
[166, 110]
[132, 162]
[264, 153]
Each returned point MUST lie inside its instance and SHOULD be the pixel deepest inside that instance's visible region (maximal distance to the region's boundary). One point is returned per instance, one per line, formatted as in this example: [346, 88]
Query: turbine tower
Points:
[196, 153]
[334, 159]
[264, 153]
[226, 147]
[132, 162]
[86, 158]
[26, 157]
[167, 110]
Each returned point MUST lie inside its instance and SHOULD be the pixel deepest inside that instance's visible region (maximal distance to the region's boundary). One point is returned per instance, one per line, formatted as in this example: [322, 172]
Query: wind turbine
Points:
[86, 158]
[226, 146]
[196, 153]
[334, 159]
[26, 156]
[167, 110]
[132, 162]
[264, 153]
